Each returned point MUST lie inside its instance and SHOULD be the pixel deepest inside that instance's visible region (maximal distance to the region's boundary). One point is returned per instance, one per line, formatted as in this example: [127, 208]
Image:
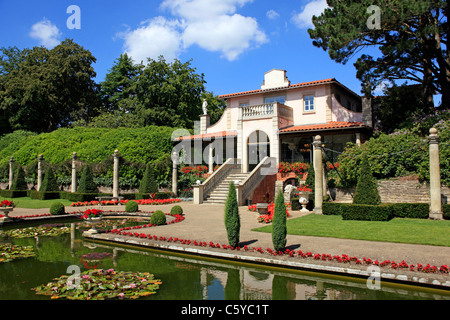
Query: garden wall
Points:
[397, 190]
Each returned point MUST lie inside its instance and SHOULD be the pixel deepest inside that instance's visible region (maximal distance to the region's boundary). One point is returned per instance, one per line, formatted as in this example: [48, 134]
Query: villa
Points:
[271, 125]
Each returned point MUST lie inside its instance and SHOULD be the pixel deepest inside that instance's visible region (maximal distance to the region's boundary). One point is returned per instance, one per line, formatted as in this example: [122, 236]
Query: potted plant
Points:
[303, 193]
[6, 207]
[93, 217]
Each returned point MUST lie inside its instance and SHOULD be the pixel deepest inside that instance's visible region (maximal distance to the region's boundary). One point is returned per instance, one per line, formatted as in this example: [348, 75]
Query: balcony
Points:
[265, 111]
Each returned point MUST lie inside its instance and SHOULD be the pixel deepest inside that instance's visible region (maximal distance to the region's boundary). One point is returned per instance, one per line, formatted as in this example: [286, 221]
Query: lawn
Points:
[415, 231]
[28, 203]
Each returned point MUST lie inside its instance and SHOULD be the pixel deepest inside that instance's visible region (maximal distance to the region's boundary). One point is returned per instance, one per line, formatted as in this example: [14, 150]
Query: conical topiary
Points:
[366, 189]
[148, 183]
[232, 219]
[19, 183]
[279, 229]
[49, 183]
[87, 184]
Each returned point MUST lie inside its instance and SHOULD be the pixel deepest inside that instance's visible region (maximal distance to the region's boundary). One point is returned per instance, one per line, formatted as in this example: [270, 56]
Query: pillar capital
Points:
[317, 141]
[433, 138]
[11, 159]
[74, 156]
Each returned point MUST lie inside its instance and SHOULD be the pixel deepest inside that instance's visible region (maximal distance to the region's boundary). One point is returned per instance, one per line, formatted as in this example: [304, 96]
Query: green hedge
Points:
[446, 211]
[367, 212]
[13, 193]
[41, 195]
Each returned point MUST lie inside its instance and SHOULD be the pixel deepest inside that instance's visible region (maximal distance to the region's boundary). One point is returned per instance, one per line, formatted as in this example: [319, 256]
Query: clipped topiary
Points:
[366, 189]
[279, 230]
[49, 183]
[176, 210]
[148, 183]
[158, 218]
[232, 219]
[87, 184]
[57, 208]
[131, 206]
[19, 182]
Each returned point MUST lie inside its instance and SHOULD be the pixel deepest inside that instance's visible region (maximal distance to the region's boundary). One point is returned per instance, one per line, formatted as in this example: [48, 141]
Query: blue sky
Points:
[232, 42]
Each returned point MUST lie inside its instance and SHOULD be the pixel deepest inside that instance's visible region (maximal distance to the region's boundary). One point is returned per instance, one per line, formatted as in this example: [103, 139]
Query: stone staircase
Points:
[220, 193]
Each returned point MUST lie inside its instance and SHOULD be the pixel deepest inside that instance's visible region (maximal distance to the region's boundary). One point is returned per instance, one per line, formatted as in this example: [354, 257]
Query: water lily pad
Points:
[40, 231]
[9, 252]
[101, 284]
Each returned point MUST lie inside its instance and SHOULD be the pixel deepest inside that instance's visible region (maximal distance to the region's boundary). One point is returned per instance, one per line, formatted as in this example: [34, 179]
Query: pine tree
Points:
[148, 183]
[19, 183]
[232, 219]
[49, 183]
[366, 189]
[87, 184]
[279, 229]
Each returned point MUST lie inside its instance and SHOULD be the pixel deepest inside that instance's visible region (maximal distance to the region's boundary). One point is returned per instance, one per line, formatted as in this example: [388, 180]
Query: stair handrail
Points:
[263, 169]
[217, 177]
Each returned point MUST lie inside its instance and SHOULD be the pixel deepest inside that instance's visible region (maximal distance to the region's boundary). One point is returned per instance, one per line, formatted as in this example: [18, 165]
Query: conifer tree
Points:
[148, 183]
[87, 184]
[19, 183]
[232, 219]
[279, 229]
[366, 189]
[49, 183]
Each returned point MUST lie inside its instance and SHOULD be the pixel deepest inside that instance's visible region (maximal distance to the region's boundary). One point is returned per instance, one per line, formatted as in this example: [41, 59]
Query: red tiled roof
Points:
[325, 126]
[222, 134]
[298, 85]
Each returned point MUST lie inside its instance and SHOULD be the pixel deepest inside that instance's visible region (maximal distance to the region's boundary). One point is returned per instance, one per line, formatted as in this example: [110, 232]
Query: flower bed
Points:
[9, 252]
[123, 202]
[99, 284]
[444, 269]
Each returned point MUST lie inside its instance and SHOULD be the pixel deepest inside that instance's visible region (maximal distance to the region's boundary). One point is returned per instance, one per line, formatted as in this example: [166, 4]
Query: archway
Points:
[258, 147]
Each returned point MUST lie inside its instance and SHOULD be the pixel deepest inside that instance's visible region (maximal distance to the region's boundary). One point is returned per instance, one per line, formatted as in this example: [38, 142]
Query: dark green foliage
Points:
[310, 179]
[131, 206]
[411, 210]
[176, 210]
[332, 208]
[57, 208]
[158, 218]
[446, 211]
[40, 195]
[365, 212]
[279, 229]
[19, 182]
[232, 219]
[49, 183]
[148, 183]
[295, 205]
[366, 189]
[87, 184]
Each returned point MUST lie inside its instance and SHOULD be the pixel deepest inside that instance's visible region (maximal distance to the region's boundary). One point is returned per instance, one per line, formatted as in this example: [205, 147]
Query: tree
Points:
[169, 94]
[279, 229]
[43, 89]
[87, 184]
[232, 219]
[411, 38]
[148, 183]
[49, 183]
[19, 183]
[366, 189]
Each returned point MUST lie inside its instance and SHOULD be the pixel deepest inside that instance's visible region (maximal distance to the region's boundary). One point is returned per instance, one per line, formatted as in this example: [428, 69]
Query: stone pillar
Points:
[358, 139]
[435, 177]
[211, 158]
[205, 121]
[39, 175]
[116, 174]
[11, 174]
[318, 175]
[74, 173]
[175, 160]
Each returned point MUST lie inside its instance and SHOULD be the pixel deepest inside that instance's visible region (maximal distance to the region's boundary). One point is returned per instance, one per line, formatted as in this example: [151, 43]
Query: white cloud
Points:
[272, 14]
[154, 38]
[313, 8]
[213, 25]
[46, 32]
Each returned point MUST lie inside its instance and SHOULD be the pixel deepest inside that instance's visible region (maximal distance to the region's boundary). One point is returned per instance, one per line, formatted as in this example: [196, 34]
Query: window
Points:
[279, 99]
[308, 103]
[244, 104]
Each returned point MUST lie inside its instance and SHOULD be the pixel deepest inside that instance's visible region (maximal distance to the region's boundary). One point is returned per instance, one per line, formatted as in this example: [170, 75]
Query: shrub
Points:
[49, 183]
[148, 183]
[332, 208]
[19, 182]
[232, 219]
[364, 212]
[158, 218]
[366, 189]
[87, 184]
[279, 230]
[57, 208]
[176, 210]
[131, 206]
[411, 210]
[446, 211]
[295, 205]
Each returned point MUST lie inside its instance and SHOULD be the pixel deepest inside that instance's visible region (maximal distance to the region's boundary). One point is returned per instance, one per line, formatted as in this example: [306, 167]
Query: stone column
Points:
[435, 177]
[116, 174]
[358, 139]
[175, 160]
[211, 158]
[11, 174]
[318, 175]
[74, 173]
[39, 176]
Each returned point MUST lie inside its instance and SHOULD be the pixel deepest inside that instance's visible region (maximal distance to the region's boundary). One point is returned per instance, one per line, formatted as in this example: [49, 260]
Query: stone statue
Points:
[205, 107]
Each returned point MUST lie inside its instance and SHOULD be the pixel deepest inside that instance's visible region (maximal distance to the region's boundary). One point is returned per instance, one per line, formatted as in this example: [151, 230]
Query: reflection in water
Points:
[183, 277]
